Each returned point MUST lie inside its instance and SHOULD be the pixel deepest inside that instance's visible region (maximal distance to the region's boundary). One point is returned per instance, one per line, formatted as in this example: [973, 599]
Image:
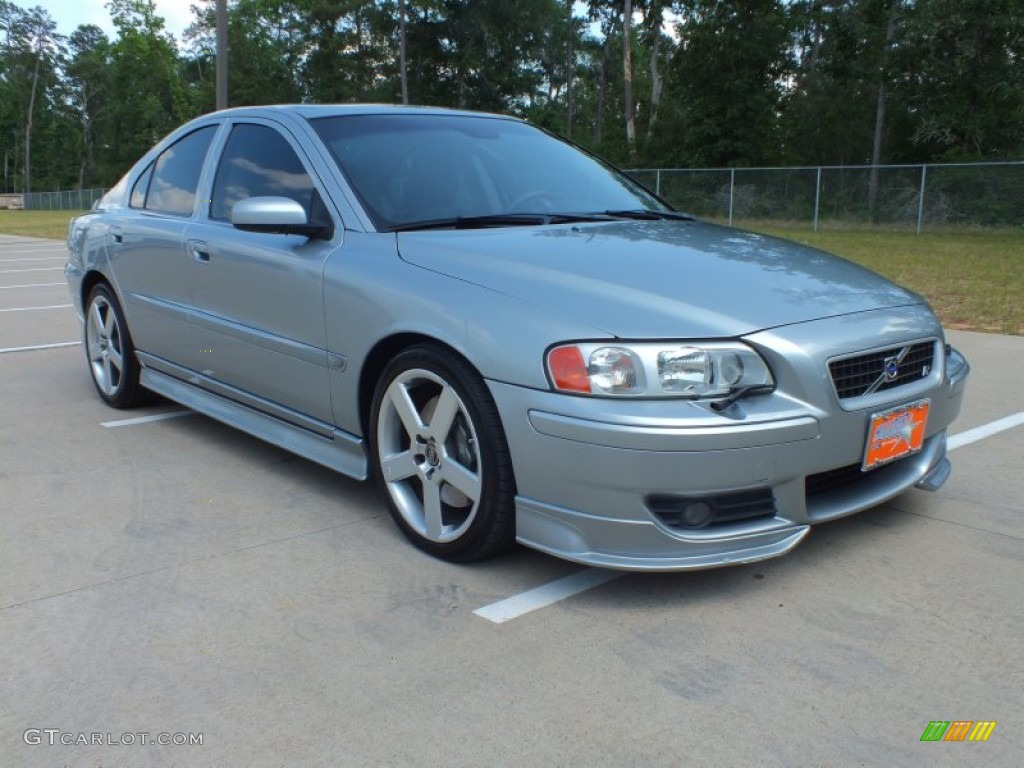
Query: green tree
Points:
[963, 78]
[841, 106]
[266, 41]
[143, 63]
[345, 49]
[727, 76]
[89, 96]
[30, 86]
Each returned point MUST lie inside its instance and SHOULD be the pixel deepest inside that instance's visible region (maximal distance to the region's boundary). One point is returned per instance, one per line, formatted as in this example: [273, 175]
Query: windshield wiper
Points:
[739, 394]
[498, 220]
[471, 222]
[646, 214]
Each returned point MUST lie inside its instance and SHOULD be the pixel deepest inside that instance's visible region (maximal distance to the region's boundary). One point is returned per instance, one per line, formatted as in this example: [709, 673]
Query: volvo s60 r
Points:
[517, 341]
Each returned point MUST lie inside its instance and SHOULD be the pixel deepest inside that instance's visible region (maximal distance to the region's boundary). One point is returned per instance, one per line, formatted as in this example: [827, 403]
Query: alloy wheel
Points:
[429, 455]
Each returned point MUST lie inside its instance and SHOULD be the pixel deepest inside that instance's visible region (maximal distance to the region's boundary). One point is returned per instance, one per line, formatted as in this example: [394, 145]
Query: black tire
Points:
[459, 438]
[110, 352]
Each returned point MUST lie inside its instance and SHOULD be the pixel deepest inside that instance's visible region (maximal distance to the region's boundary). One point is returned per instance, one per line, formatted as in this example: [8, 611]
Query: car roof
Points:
[312, 111]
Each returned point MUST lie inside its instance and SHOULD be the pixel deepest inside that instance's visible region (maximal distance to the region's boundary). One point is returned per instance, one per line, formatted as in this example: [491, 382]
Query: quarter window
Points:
[258, 161]
[176, 173]
[138, 199]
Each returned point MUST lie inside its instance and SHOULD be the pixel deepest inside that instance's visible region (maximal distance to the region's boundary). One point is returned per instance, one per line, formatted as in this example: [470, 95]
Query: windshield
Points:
[415, 168]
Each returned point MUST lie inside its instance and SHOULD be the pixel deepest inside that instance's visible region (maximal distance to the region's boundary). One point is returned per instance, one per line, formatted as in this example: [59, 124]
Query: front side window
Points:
[176, 173]
[416, 168]
[258, 162]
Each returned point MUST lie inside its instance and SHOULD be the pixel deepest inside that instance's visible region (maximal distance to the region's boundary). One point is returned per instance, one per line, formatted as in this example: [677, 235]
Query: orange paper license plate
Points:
[895, 433]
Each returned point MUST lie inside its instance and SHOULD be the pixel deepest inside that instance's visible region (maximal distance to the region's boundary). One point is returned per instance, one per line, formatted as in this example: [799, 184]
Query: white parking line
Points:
[41, 346]
[985, 430]
[560, 589]
[30, 285]
[546, 594]
[34, 269]
[22, 254]
[31, 247]
[147, 419]
[32, 309]
[44, 258]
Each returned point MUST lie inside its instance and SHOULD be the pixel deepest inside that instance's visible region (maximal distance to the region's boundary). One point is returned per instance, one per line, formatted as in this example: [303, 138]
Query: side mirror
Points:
[277, 215]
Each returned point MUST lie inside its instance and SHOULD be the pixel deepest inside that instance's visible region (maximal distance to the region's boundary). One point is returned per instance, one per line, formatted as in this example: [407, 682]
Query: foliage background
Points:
[728, 83]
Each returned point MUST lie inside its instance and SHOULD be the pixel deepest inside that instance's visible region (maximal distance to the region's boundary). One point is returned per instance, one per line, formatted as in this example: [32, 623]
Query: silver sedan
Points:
[514, 339]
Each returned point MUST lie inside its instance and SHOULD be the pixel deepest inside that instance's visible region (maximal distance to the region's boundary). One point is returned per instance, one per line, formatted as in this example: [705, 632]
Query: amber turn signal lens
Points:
[568, 371]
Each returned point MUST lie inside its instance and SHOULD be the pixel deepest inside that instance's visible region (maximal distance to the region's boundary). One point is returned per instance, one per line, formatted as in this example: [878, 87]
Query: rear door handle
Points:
[117, 235]
[200, 251]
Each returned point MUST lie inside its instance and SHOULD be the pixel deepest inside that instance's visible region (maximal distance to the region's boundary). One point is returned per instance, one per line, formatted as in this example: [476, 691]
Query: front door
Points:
[257, 298]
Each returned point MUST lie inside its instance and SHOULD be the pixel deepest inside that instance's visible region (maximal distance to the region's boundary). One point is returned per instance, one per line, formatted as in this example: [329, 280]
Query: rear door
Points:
[147, 250]
[258, 312]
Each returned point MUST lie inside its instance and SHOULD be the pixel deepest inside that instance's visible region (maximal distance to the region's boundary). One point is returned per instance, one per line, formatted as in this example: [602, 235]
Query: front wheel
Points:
[440, 456]
[109, 349]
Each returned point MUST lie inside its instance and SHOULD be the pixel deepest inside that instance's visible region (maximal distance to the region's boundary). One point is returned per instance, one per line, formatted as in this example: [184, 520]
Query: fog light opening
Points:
[697, 514]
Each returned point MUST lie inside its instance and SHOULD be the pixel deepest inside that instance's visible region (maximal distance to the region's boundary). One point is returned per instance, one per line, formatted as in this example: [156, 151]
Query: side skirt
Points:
[335, 450]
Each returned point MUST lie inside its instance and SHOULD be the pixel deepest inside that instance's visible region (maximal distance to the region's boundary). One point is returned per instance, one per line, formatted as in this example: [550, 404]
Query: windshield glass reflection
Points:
[419, 168]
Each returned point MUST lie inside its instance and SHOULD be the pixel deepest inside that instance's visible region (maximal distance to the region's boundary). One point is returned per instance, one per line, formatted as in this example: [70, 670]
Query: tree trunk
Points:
[602, 89]
[627, 74]
[222, 54]
[86, 139]
[402, 50]
[27, 181]
[569, 68]
[876, 145]
[816, 11]
[657, 81]
[357, 18]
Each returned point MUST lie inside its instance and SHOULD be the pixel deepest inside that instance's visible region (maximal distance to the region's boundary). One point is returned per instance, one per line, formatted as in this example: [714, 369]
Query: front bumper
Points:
[74, 275]
[587, 470]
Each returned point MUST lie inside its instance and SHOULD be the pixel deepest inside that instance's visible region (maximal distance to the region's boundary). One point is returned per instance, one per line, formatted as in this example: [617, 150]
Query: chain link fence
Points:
[917, 197]
[64, 200]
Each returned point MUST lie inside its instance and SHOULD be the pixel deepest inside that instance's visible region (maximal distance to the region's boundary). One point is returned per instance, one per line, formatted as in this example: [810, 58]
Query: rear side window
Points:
[176, 173]
[257, 162]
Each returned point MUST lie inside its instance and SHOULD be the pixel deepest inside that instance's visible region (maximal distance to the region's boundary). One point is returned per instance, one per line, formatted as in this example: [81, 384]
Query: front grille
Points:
[728, 508]
[854, 376]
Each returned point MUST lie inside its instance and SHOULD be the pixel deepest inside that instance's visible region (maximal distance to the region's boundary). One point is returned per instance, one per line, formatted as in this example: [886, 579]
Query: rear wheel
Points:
[440, 456]
[109, 349]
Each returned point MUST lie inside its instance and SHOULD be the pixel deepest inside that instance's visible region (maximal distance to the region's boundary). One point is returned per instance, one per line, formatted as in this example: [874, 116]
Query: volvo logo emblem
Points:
[890, 371]
[892, 368]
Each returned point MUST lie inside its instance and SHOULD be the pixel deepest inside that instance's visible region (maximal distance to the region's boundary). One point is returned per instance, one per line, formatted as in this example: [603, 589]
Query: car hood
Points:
[657, 279]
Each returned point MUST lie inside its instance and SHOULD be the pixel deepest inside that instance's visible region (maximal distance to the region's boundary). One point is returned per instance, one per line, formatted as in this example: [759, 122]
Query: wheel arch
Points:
[377, 360]
[91, 279]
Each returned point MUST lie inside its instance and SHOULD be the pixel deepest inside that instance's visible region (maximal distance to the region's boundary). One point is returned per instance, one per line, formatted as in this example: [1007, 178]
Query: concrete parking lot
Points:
[177, 578]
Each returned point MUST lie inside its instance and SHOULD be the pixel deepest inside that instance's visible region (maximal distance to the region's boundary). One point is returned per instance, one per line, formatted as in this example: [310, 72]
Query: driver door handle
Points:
[199, 251]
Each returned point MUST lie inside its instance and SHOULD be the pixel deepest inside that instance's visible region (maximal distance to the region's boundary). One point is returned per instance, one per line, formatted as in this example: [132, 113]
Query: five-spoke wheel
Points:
[440, 455]
[108, 346]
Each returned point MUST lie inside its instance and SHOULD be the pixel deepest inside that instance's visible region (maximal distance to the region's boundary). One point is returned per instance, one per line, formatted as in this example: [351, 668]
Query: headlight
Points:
[686, 370]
